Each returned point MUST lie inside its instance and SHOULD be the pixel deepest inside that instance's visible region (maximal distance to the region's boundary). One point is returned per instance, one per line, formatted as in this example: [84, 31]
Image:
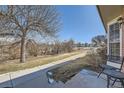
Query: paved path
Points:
[24, 76]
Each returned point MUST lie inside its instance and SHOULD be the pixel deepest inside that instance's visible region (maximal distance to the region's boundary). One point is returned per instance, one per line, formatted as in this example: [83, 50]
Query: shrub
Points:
[94, 59]
[102, 51]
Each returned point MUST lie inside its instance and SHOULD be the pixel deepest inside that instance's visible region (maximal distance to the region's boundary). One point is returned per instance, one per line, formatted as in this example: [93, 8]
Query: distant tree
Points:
[69, 45]
[32, 47]
[99, 40]
[79, 44]
[22, 21]
[86, 44]
[57, 46]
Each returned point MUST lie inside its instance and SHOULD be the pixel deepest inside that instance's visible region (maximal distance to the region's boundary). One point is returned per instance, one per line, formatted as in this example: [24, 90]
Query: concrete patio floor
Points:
[84, 79]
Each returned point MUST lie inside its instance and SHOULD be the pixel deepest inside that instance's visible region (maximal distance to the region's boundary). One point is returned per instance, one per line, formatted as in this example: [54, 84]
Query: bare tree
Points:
[22, 21]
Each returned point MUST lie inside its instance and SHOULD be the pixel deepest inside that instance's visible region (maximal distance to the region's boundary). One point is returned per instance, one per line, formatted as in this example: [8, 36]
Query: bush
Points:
[102, 52]
[94, 59]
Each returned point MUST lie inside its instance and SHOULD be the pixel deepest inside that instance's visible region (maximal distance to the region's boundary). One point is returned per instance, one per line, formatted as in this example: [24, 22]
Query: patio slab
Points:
[84, 79]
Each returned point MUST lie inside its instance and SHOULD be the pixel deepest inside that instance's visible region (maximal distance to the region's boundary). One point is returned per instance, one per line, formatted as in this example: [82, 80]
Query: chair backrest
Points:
[115, 61]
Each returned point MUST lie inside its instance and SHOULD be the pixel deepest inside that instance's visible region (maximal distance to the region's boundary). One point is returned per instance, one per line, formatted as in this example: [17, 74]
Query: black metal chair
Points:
[113, 59]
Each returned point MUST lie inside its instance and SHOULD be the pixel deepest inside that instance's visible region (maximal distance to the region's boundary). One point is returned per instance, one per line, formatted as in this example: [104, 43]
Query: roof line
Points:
[98, 9]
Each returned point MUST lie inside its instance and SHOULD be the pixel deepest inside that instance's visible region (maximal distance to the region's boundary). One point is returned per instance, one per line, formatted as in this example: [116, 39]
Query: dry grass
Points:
[14, 65]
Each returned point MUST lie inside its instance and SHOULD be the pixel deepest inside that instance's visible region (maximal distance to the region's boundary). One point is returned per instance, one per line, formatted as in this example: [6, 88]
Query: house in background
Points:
[112, 17]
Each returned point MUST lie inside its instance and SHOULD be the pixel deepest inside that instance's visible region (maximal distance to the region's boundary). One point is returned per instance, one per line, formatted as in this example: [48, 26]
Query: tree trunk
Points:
[23, 49]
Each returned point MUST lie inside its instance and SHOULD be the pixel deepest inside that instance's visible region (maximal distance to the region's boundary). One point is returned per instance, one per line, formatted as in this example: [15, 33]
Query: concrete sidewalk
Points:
[15, 78]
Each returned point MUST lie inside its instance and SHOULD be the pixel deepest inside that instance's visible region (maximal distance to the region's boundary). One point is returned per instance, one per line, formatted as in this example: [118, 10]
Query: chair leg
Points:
[100, 73]
[122, 83]
[114, 82]
[108, 81]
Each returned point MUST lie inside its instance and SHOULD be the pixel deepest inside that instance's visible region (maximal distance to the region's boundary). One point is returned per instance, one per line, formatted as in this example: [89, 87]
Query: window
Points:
[114, 40]
[114, 33]
[114, 49]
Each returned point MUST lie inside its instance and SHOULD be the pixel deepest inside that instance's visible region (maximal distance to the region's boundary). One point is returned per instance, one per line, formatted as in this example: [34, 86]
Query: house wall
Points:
[122, 41]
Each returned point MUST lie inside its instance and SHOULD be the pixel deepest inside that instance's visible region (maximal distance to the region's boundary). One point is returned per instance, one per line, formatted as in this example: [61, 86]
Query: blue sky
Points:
[80, 23]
